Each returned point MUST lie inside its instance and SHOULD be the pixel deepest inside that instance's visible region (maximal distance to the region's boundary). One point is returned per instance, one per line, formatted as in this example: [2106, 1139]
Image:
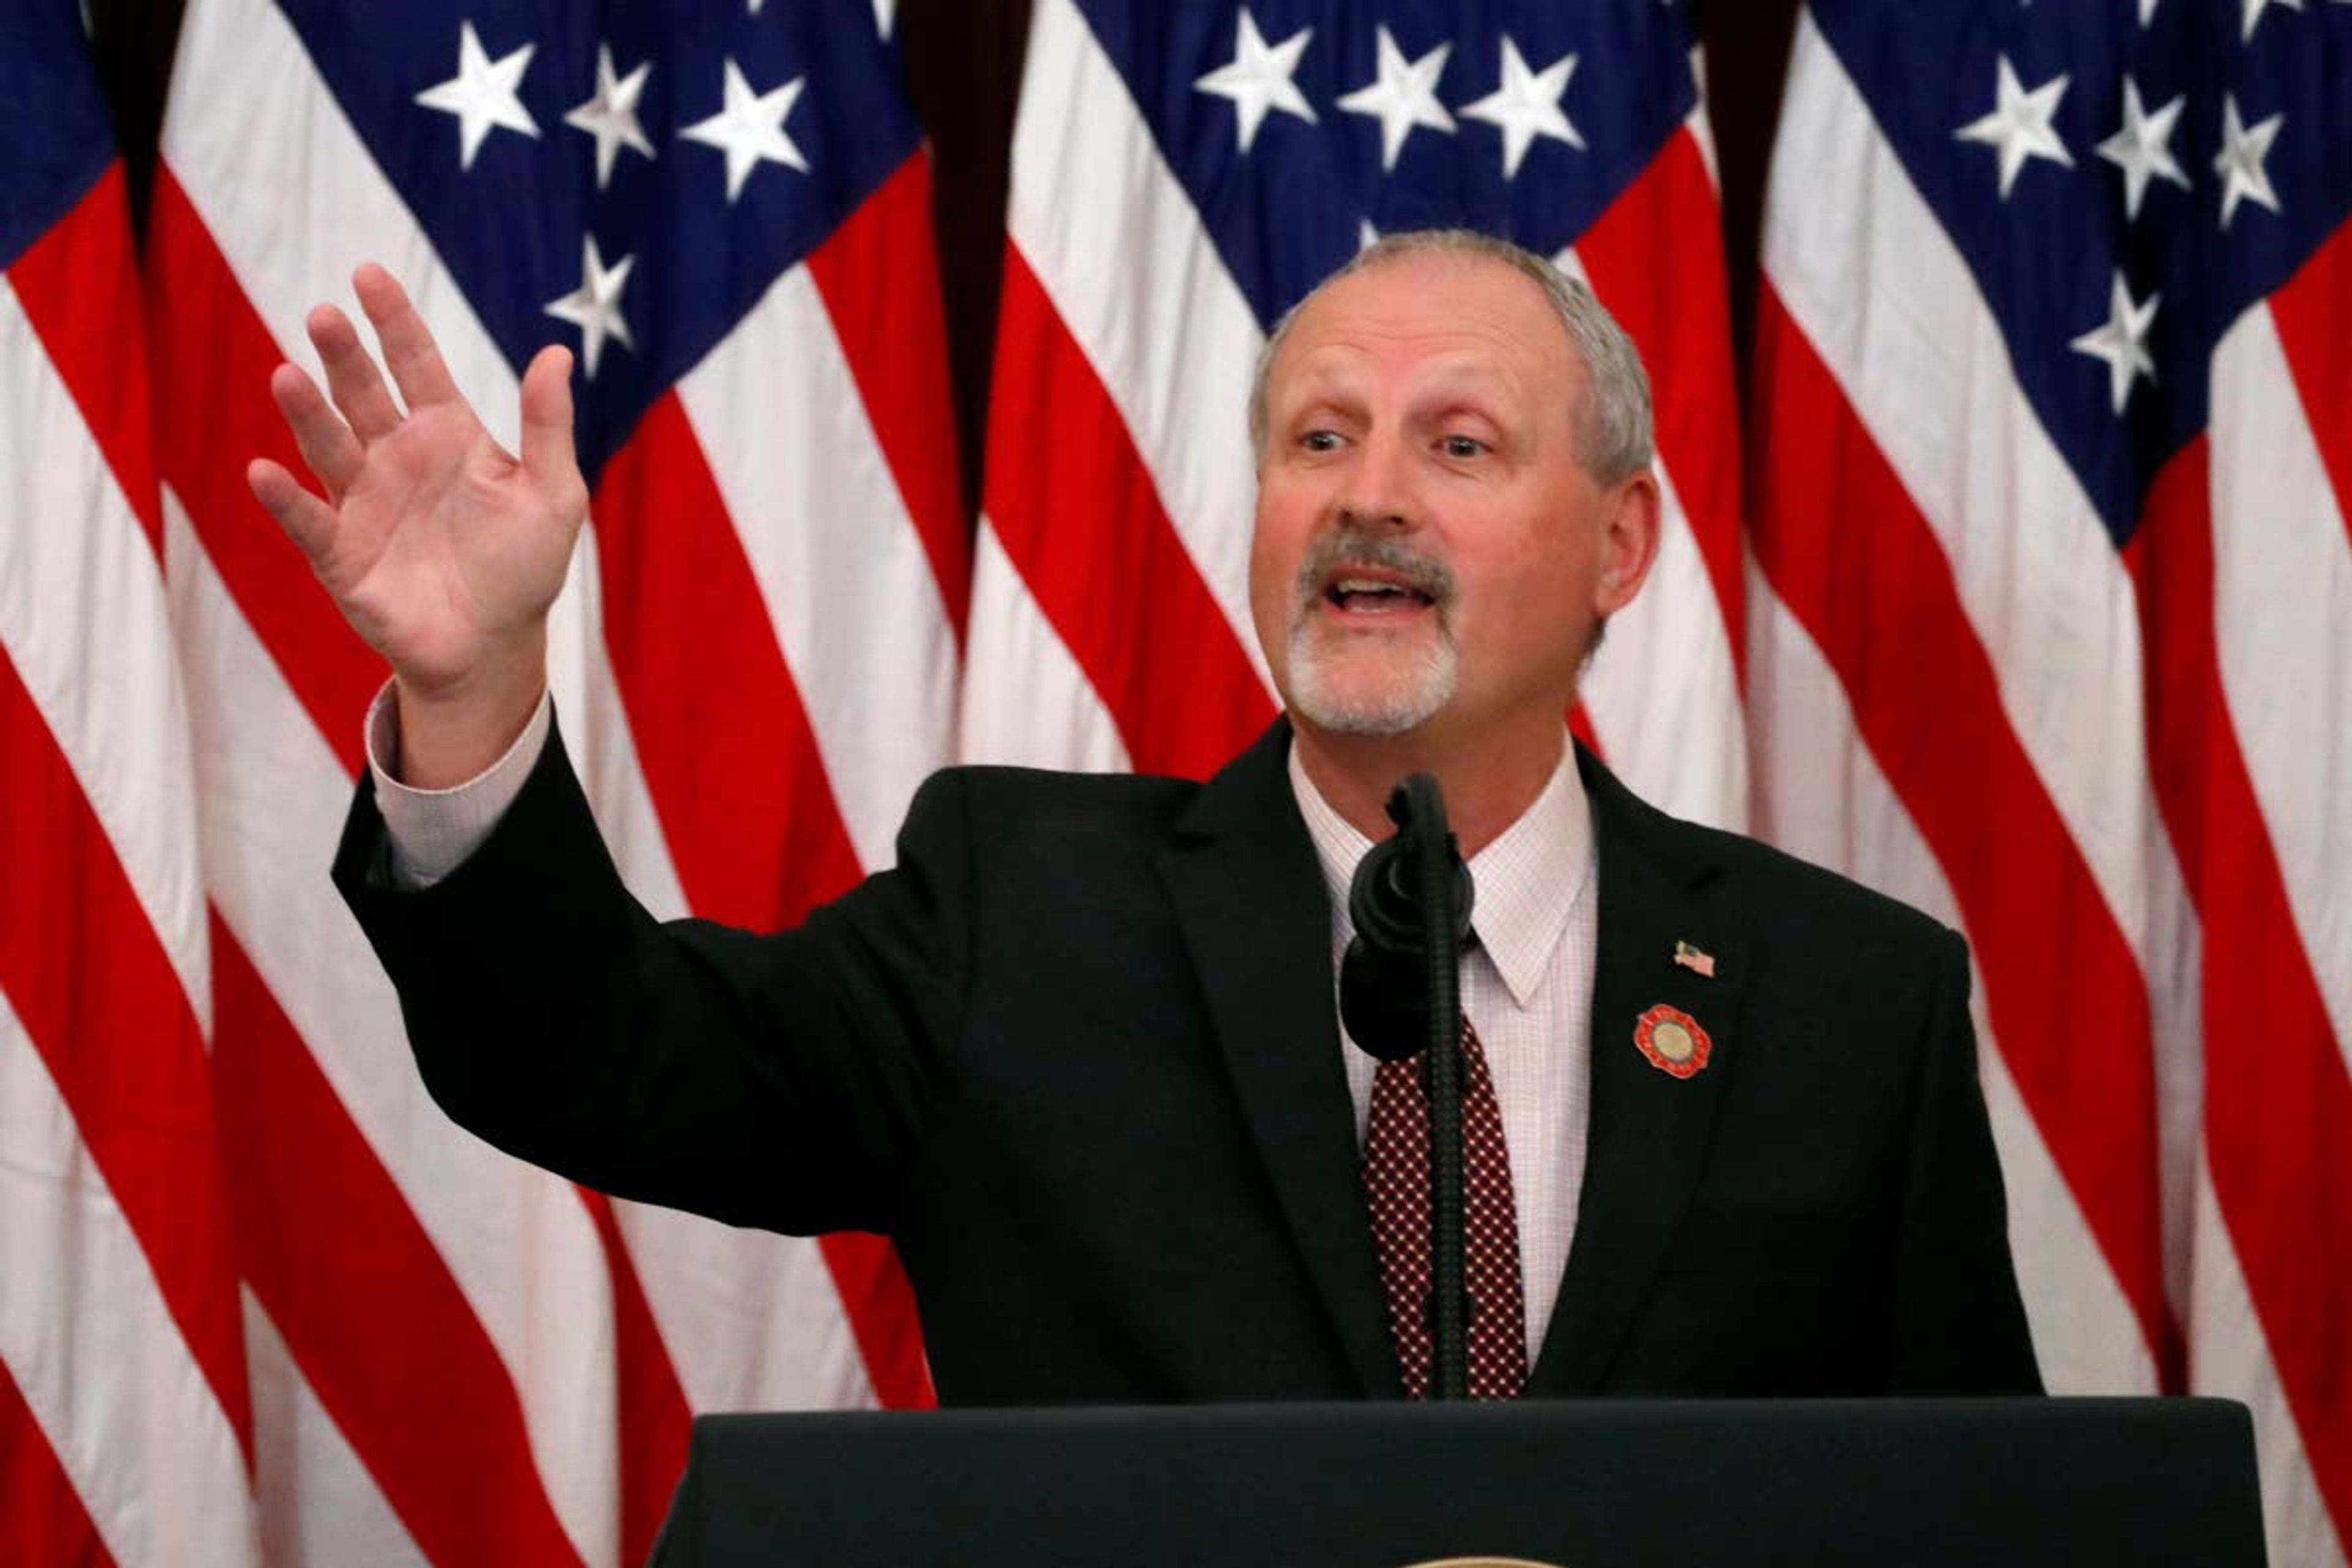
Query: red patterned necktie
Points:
[1396, 1183]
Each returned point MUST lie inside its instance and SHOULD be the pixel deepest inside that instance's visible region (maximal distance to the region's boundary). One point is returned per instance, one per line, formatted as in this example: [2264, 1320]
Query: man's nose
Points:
[1379, 490]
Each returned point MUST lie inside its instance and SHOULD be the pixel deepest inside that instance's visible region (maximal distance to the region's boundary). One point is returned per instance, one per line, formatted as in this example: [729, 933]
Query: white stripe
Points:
[1819, 794]
[86, 1334]
[2229, 1356]
[752, 1320]
[596, 734]
[1889, 305]
[841, 568]
[318, 1504]
[82, 618]
[1702, 128]
[1157, 316]
[1025, 701]
[517, 1240]
[1662, 692]
[2282, 613]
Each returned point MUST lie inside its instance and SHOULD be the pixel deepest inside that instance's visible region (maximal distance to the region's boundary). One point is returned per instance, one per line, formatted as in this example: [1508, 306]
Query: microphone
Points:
[1384, 978]
[1400, 994]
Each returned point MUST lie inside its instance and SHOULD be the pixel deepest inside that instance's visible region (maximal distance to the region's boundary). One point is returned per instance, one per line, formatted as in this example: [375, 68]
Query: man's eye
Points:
[1463, 446]
[1321, 440]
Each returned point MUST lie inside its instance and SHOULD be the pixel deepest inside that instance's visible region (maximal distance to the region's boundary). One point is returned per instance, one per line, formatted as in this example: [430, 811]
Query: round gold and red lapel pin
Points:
[1673, 1040]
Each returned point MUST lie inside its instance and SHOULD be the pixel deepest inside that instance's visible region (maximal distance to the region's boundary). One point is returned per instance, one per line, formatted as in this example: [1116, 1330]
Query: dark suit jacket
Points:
[1077, 1055]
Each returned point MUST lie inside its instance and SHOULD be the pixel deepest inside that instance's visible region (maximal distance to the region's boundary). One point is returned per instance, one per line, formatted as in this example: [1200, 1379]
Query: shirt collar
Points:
[1526, 882]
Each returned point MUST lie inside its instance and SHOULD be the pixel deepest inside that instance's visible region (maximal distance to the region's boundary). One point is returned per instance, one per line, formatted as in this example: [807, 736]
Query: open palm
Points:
[442, 549]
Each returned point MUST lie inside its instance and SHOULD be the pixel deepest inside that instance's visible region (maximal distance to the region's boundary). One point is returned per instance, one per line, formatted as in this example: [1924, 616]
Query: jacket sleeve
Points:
[778, 1080]
[1959, 1322]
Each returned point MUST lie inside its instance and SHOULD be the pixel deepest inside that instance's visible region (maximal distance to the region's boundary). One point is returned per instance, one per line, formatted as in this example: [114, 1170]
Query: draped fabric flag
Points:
[2054, 446]
[126, 1430]
[1182, 175]
[725, 211]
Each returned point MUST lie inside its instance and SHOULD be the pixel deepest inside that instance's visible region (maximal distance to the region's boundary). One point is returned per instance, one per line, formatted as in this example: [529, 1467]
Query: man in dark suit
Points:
[1077, 1053]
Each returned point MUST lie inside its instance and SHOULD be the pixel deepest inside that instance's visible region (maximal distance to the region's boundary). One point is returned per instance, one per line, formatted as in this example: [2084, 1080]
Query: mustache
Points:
[1351, 546]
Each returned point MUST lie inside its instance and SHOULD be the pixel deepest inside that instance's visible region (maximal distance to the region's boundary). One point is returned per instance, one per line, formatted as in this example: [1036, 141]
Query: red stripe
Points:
[1579, 724]
[877, 275]
[363, 1301]
[724, 739]
[654, 1419]
[98, 994]
[1655, 258]
[1848, 552]
[2278, 1104]
[80, 290]
[2312, 311]
[730, 763]
[214, 354]
[42, 1518]
[1076, 510]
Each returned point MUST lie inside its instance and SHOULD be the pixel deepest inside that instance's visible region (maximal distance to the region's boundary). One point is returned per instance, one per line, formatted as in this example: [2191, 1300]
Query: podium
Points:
[1584, 1484]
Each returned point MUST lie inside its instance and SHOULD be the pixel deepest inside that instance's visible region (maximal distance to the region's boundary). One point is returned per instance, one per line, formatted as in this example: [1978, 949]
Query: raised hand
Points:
[442, 549]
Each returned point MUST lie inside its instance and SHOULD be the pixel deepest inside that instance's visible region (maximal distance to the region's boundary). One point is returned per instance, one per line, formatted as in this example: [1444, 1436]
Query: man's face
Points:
[1431, 555]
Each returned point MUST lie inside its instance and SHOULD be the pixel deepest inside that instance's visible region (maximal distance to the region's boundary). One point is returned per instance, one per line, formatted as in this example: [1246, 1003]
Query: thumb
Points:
[546, 451]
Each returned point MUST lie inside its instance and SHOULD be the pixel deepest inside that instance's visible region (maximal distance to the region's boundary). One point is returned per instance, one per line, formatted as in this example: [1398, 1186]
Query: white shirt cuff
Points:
[432, 831]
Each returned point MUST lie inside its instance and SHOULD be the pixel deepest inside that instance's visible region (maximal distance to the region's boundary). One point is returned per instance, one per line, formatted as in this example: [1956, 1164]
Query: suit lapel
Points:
[1249, 896]
[1649, 1130]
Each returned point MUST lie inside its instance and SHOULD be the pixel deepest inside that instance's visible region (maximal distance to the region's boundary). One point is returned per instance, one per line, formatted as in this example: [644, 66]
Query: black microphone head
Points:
[1382, 1003]
[1383, 978]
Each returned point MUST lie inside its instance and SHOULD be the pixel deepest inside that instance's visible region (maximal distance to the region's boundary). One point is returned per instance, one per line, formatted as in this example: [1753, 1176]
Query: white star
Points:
[595, 306]
[482, 94]
[2255, 8]
[2142, 148]
[2020, 126]
[1403, 95]
[883, 11]
[611, 116]
[1257, 79]
[1527, 105]
[2122, 341]
[2146, 9]
[2239, 164]
[1367, 235]
[751, 129]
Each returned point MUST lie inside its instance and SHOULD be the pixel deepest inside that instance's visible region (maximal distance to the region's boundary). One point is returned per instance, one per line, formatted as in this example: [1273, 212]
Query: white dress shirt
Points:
[1527, 984]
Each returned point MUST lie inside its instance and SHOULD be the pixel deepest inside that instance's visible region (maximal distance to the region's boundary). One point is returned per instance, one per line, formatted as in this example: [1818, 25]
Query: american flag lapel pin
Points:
[1697, 961]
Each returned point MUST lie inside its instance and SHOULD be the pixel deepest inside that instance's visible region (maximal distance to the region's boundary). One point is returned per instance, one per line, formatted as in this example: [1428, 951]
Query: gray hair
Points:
[1613, 434]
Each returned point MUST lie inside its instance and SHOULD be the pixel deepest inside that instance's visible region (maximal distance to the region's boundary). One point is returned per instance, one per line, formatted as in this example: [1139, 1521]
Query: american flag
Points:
[1182, 175]
[2054, 457]
[725, 210]
[126, 1426]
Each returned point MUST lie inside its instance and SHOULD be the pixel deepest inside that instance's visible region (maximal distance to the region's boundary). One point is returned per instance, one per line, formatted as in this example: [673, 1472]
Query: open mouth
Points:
[1365, 594]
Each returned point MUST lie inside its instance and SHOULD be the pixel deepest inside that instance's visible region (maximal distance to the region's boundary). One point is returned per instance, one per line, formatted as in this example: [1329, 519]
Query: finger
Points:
[409, 351]
[328, 446]
[309, 521]
[358, 387]
[547, 450]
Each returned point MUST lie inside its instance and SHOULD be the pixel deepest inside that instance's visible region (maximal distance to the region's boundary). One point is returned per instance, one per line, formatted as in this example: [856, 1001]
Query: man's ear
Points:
[1630, 521]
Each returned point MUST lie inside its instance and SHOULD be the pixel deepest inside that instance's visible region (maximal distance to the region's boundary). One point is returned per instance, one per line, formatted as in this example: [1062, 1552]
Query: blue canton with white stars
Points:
[629, 178]
[2125, 179]
[1299, 128]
